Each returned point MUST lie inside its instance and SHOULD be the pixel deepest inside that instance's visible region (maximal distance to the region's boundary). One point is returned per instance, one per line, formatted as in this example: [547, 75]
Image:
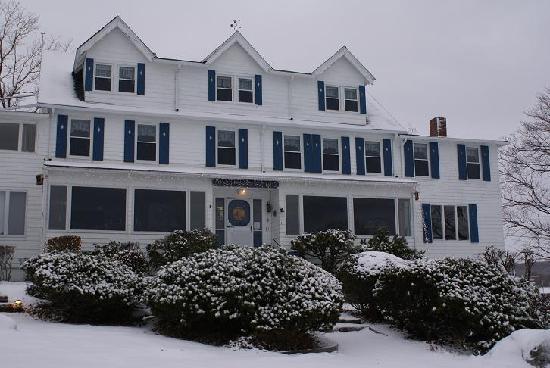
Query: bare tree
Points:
[21, 46]
[525, 172]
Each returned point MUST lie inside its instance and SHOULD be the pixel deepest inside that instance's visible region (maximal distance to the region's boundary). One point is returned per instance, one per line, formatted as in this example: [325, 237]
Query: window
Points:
[102, 77]
[227, 152]
[350, 99]
[372, 157]
[323, 213]
[28, 140]
[421, 166]
[293, 152]
[159, 210]
[126, 79]
[257, 221]
[79, 138]
[9, 136]
[472, 163]
[197, 210]
[462, 215]
[58, 207]
[98, 208]
[372, 214]
[12, 204]
[220, 220]
[146, 142]
[292, 215]
[245, 90]
[450, 222]
[332, 98]
[437, 228]
[331, 156]
[404, 216]
[224, 88]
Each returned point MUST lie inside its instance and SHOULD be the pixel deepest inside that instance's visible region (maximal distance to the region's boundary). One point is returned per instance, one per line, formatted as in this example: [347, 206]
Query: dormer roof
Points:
[343, 52]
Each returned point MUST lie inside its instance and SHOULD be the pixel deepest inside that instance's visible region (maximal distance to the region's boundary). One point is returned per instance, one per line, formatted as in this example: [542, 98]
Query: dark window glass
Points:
[332, 98]
[227, 153]
[16, 213]
[102, 77]
[257, 221]
[98, 208]
[58, 207]
[197, 210]
[293, 153]
[323, 213]
[437, 227]
[80, 147]
[29, 138]
[331, 157]
[245, 90]
[351, 99]
[450, 224]
[9, 136]
[373, 214]
[462, 214]
[126, 79]
[292, 215]
[421, 167]
[472, 163]
[147, 142]
[351, 105]
[224, 88]
[80, 138]
[245, 96]
[159, 210]
[473, 171]
[404, 215]
[102, 84]
[372, 157]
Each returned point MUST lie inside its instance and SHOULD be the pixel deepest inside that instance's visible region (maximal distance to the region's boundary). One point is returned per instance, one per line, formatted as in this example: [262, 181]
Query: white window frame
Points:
[344, 100]
[118, 78]
[20, 137]
[455, 206]
[156, 125]
[235, 131]
[6, 210]
[421, 159]
[332, 85]
[237, 86]
[90, 150]
[300, 137]
[478, 149]
[112, 76]
[339, 155]
[380, 151]
[232, 87]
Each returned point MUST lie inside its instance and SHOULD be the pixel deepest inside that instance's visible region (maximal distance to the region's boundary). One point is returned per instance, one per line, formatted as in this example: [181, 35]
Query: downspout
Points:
[177, 88]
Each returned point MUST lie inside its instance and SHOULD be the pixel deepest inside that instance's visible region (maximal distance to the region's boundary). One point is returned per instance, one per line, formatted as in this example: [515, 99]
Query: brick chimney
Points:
[438, 127]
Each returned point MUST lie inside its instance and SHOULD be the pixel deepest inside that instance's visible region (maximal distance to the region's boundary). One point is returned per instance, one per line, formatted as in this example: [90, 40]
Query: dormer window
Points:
[350, 99]
[126, 79]
[102, 78]
[332, 98]
[224, 89]
[245, 90]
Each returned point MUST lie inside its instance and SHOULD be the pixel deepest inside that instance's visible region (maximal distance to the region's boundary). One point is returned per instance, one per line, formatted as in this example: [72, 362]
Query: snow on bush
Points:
[129, 254]
[531, 345]
[235, 291]
[373, 263]
[397, 245]
[85, 287]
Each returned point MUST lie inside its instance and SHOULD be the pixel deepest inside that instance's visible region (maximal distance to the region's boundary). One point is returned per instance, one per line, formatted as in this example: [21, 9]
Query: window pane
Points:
[225, 95]
[293, 160]
[125, 85]
[421, 168]
[331, 162]
[226, 138]
[245, 96]
[227, 156]
[292, 143]
[224, 82]
[2, 211]
[16, 215]
[404, 215]
[372, 149]
[197, 210]
[159, 210]
[333, 104]
[373, 165]
[103, 70]
[373, 214]
[421, 151]
[462, 213]
[473, 171]
[330, 146]
[98, 208]
[437, 227]
[220, 208]
[29, 138]
[80, 147]
[323, 213]
[351, 105]
[9, 136]
[102, 84]
[332, 92]
[257, 221]
[80, 128]
[292, 215]
[472, 154]
[245, 84]
[127, 72]
[351, 93]
[450, 226]
[58, 207]
[147, 133]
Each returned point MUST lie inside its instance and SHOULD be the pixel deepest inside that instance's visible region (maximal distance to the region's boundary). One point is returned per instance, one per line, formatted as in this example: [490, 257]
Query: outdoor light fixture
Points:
[242, 192]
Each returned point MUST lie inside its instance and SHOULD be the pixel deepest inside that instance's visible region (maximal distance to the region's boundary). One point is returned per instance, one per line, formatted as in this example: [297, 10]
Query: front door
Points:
[238, 222]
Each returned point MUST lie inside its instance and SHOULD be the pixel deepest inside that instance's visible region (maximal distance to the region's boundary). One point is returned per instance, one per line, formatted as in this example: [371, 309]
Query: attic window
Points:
[245, 90]
[224, 88]
[332, 97]
[102, 78]
[351, 101]
[126, 79]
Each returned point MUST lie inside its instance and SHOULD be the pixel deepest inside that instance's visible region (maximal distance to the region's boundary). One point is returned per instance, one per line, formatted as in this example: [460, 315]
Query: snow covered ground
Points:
[25, 342]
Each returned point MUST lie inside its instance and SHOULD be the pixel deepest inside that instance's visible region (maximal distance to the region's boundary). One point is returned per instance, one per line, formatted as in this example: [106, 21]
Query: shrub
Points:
[129, 254]
[65, 243]
[179, 244]
[500, 258]
[84, 287]
[331, 247]
[6, 258]
[236, 291]
[397, 246]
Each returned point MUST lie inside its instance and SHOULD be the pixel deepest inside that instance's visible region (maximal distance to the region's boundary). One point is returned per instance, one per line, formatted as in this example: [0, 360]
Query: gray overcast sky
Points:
[479, 63]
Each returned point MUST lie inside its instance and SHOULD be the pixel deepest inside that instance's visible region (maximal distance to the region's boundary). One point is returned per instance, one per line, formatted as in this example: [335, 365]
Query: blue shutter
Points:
[61, 139]
[99, 134]
[258, 91]
[474, 232]
[409, 158]
[462, 171]
[316, 153]
[485, 163]
[140, 79]
[88, 83]
[308, 149]
[362, 100]
[360, 155]
[211, 85]
[129, 139]
[277, 151]
[346, 160]
[388, 164]
[321, 95]
[210, 146]
[164, 143]
[427, 218]
[243, 148]
[434, 160]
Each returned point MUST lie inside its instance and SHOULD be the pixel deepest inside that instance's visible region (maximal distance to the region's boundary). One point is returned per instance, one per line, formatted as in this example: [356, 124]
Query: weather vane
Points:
[235, 25]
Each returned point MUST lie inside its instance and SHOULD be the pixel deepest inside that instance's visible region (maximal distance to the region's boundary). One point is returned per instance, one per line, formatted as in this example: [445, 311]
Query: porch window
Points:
[224, 90]
[404, 216]
[245, 90]
[227, 152]
[462, 216]
[159, 210]
[421, 166]
[98, 208]
[472, 163]
[220, 220]
[197, 210]
[146, 146]
[257, 221]
[293, 152]
[331, 155]
[292, 215]
[450, 222]
[14, 205]
[323, 213]
[437, 220]
[332, 98]
[58, 207]
[102, 77]
[126, 79]
[79, 139]
[373, 214]
[351, 102]
[372, 157]
[9, 136]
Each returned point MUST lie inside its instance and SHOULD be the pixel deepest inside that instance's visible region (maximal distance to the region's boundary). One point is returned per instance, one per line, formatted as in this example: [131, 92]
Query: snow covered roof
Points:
[343, 52]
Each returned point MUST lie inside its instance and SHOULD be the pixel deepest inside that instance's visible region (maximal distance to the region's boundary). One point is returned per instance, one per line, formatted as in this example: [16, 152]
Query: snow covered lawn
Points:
[35, 343]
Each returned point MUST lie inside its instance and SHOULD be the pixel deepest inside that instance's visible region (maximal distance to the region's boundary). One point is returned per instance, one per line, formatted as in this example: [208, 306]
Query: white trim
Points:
[118, 79]
[96, 63]
[20, 137]
[421, 159]
[344, 52]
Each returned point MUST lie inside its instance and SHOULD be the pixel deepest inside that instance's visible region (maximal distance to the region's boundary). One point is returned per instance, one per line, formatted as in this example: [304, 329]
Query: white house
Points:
[131, 146]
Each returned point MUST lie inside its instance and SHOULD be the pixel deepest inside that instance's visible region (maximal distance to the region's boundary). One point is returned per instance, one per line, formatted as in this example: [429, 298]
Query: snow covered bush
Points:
[397, 245]
[64, 243]
[236, 291]
[179, 244]
[84, 287]
[129, 254]
[330, 247]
